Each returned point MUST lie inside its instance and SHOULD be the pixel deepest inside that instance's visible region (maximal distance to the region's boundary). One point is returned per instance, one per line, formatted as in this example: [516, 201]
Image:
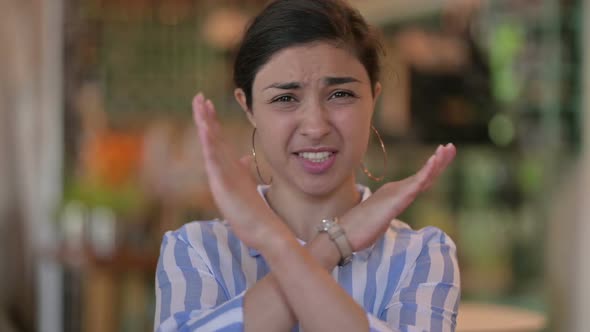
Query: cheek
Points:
[274, 133]
[354, 121]
[355, 128]
[361, 141]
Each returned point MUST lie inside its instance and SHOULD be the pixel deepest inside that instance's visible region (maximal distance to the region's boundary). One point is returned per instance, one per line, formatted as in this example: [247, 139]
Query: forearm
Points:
[265, 305]
[311, 293]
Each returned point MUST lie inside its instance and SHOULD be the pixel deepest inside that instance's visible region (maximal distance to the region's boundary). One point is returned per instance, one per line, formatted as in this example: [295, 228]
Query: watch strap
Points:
[338, 236]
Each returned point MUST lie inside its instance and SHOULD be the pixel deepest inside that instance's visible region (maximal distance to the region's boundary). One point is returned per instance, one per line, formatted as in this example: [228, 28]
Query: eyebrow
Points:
[329, 81]
[339, 80]
[284, 86]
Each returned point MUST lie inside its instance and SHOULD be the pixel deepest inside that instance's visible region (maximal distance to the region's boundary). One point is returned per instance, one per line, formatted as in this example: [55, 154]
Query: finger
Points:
[437, 169]
[414, 182]
[199, 118]
[445, 156]
[202, 124]
[450, 153]
[197, 108]
[412, 186]
[204, 112]
[207, 124]
[210, 109]
[224, 153]
[197, 99]
[212, 118]
[439, 162]
[437, 158]
[424, 174]
[206, 137]
[425, 185]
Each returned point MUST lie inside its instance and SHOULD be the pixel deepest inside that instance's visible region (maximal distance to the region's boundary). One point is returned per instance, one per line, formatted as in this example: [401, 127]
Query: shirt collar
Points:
[365, 193]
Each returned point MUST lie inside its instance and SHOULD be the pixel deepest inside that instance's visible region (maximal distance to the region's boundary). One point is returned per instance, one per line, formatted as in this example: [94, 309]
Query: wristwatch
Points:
[338, 236]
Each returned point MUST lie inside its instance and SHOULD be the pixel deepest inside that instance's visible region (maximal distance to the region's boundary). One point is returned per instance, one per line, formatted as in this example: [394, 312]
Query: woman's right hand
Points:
[233, 189]
[366, 222]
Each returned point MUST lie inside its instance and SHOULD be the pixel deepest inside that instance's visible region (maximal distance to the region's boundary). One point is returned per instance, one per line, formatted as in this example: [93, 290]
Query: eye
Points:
[342, 94]
[283, 99]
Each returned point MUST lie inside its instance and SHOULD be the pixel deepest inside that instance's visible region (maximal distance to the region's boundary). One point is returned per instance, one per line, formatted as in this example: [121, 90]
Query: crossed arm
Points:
[192, 297]
[299, 287]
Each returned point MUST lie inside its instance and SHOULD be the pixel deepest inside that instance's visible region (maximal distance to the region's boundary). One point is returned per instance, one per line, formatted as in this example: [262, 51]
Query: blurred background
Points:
[99, 157]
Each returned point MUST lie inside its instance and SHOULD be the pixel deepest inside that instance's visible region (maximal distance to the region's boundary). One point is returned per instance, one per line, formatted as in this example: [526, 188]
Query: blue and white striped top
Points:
[407, 281]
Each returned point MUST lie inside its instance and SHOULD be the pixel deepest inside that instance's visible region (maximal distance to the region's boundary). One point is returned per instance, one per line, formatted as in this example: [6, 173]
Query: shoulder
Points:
[417, 237]
[429, 242]
[428, 252]
[201, 234]
[208, 239]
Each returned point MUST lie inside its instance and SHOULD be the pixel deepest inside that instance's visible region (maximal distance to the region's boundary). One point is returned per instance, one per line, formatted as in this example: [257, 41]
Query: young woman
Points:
[313, 249]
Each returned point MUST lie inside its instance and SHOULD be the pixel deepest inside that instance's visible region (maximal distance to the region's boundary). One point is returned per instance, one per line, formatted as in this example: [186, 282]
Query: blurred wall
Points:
[30, 152]
[17, 67]
[582, 261]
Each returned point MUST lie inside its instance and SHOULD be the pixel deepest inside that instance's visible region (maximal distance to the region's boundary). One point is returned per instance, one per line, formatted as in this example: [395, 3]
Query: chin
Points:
[319, 186]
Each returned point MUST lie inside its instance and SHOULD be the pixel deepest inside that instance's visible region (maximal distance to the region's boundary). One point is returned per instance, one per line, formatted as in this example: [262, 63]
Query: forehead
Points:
[308, 63]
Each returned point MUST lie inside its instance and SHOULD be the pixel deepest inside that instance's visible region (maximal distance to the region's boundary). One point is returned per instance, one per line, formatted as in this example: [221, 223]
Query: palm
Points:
[232, 187]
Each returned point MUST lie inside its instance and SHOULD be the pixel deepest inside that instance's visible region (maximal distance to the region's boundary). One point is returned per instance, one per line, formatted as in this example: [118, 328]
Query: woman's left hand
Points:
[232, 186]
[366, 222]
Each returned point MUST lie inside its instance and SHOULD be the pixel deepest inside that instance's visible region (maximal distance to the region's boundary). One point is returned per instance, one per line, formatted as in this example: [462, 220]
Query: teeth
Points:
[316, 157]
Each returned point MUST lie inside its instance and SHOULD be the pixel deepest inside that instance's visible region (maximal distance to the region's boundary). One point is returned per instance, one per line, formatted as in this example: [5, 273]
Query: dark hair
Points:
[286, 23]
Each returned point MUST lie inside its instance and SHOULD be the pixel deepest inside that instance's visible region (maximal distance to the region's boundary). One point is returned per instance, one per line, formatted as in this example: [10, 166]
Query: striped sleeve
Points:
[188, 296]
[428, 296]
[377, 325]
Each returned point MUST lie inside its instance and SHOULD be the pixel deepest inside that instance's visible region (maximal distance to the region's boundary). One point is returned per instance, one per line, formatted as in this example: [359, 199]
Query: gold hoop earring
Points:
[256, 162]
[366, 170]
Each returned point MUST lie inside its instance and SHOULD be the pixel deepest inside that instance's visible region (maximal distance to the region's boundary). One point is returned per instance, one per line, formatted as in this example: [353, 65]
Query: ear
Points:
[377, 92]
[240, 96]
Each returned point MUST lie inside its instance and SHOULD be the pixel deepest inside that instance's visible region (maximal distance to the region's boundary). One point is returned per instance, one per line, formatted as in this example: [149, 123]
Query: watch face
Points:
[325, 225]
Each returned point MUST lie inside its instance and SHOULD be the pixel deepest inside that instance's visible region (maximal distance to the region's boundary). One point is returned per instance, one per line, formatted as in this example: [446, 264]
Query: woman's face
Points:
[312, 107]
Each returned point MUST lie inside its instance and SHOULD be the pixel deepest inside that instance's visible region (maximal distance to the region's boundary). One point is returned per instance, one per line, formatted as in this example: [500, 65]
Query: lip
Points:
[317, 168]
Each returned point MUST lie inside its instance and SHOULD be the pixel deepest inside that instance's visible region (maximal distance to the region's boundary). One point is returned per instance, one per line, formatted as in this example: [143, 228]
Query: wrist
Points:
[338, 237]
[275, 239]
[325, 251]
[348, 227]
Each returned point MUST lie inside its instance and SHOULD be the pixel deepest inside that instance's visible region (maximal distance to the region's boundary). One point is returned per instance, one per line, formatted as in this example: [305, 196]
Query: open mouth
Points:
[316, 157]
[317, 162]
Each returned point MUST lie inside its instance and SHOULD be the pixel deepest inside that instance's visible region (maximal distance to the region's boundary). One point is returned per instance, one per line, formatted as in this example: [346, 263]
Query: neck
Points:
[302, 212]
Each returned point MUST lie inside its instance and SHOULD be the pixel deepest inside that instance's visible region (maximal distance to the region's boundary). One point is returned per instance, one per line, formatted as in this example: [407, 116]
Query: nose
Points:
[315, 122]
